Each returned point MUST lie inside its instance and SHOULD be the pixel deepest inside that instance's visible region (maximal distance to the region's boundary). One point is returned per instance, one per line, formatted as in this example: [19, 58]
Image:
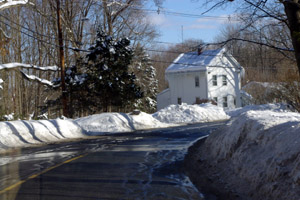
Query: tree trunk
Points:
[292, 10]
[62, 60]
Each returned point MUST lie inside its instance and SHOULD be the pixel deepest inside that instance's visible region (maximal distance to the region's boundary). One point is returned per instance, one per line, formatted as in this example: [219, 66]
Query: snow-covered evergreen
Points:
[101, 81]
[146, 79]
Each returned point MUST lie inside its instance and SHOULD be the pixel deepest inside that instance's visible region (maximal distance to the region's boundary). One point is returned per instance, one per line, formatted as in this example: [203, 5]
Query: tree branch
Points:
[39, 80]
[10, 3]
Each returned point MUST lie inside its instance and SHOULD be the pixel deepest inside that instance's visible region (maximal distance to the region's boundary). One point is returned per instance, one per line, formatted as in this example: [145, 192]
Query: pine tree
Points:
[146, 79]
[101, 81]
[108, 78]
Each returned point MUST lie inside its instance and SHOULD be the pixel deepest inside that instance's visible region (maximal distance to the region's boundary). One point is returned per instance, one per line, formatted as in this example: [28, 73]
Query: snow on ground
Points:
[182, 114]
[118, 122]
[278, 107]
[260, 147]
[24, 133]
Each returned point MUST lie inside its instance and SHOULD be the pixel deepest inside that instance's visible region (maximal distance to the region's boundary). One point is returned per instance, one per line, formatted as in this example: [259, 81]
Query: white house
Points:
[204, 75]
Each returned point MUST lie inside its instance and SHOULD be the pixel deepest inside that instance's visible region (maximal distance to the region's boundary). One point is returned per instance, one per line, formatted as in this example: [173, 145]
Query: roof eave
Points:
[186, 71]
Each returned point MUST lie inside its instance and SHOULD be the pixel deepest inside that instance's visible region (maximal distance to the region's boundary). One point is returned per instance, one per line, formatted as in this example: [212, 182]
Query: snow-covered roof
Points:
[191, 61]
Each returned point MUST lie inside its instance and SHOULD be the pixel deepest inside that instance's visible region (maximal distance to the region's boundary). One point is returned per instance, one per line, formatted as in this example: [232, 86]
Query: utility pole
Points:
[61, 60]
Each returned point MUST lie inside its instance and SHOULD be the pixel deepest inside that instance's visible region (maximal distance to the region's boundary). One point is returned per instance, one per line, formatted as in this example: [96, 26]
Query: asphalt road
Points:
[140, 165]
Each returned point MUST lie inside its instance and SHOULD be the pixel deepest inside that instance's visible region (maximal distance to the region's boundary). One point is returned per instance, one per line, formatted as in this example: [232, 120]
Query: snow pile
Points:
[278, 107]
[170, 116]
[24, 133]
[183, 114]
[118, 122]
[260, 149]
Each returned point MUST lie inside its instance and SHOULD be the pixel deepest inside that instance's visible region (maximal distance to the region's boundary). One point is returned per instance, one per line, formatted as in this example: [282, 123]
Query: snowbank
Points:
[172, 115]
[257, 153]
[278, 107]
[24, 133]
[183, 114]
[118, 122]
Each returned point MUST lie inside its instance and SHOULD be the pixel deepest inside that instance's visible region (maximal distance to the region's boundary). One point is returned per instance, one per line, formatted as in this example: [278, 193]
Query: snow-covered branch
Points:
[10, 3]
[22, 65]
[4, 34]
[39, 80]
[1, 81]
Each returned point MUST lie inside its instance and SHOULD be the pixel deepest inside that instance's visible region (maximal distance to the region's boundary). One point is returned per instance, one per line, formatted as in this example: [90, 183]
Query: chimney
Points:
[200, 49]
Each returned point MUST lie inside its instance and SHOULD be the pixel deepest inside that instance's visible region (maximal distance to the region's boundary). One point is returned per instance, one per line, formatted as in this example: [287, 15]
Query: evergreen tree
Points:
[146, 79]
[101, 81]
[109, 80]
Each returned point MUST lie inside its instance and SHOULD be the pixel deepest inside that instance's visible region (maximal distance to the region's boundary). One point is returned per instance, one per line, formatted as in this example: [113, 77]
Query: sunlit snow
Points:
[24, 133]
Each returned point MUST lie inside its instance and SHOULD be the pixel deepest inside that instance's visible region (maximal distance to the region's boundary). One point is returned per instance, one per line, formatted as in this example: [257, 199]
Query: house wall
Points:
[231, 91]
[163, 99]
[182, 85]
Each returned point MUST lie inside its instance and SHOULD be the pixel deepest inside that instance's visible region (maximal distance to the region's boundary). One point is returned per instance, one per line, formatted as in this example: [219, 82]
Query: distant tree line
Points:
[28, 34]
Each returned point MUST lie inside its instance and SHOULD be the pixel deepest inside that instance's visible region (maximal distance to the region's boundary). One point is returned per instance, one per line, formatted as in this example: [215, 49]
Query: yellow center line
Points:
[38, 174]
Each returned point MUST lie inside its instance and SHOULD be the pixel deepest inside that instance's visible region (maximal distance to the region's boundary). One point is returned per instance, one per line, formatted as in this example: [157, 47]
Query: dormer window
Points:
[197, 83]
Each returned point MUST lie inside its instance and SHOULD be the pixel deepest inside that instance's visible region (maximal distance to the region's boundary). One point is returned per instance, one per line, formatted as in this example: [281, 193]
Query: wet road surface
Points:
[140, 165]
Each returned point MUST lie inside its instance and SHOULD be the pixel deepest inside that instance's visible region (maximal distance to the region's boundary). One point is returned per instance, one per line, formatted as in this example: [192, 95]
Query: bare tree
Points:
[125, 18]
[282, 12]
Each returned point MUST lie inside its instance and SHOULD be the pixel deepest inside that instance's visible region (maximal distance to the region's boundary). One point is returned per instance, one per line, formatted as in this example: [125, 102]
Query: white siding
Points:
[182, 85]
[231, 90]
[182, 79]
[163, 99]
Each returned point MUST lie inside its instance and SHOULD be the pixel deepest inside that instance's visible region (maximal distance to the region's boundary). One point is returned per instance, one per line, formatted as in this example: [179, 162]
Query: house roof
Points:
[191, 61]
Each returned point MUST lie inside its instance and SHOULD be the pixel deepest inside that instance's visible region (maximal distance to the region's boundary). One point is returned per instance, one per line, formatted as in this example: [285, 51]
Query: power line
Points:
[166, 62]
[87, 51]
[189, 64]
[188, 15]
[83, 50]
[174, 13]
[44, 41]
[34, 32]
[193, 53]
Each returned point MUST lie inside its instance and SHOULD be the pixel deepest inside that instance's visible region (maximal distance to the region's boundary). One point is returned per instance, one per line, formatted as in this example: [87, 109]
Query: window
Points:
[224, 80]
[214, 80]
[216, 100]
[225, 102]
[197, 84]
[179, 101]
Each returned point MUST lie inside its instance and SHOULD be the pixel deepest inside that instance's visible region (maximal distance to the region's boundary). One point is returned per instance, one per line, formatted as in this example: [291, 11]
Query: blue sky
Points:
[170, 26]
